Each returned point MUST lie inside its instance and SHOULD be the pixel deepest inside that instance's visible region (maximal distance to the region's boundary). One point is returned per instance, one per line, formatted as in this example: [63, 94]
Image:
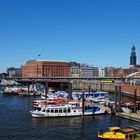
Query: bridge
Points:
[43, 79]
[134, 75]
[76, 82]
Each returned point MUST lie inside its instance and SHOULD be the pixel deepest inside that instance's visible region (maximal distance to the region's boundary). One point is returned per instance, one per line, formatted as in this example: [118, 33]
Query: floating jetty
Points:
[130, 116]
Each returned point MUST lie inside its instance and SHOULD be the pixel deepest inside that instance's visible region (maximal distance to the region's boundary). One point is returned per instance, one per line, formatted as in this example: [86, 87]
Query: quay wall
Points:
[94, 85]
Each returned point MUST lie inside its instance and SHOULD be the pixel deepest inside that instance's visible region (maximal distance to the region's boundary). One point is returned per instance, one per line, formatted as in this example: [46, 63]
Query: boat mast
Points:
[83, 106]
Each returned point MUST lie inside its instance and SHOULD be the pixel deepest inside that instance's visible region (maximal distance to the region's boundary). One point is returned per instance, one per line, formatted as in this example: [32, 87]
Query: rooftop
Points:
[40, 60]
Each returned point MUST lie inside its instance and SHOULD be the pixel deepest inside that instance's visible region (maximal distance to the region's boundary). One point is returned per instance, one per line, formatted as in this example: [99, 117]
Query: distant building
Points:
[74, 69]
[125, 72]
[133, 56]
[133, 60]
[3, 75]
[137, 67]
[95, 72]
[88, 71]
[119, 72]
[43, 68]
[13, 72]
[108, 71]
[101, 73]
[114, 72]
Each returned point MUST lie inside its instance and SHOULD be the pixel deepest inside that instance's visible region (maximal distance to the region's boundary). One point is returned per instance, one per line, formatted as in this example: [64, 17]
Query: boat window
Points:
[74, 110]
[131, 136]
[52, 111]
[56, 110]
[118, 130]
[126, 136]
[47, 110]
[43, 110]
[68, 109]
[60, 110]
[65, 110]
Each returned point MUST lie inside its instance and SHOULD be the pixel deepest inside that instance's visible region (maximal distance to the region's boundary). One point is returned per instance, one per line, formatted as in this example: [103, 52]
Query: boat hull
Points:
[10, 93]
[37, 114]
[112, 139]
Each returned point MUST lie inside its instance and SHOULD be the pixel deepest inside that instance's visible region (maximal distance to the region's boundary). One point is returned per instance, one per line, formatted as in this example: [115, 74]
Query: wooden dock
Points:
[130, 116]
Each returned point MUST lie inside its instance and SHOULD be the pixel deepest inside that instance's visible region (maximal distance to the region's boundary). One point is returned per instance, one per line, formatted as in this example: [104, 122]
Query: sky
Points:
[96, 32]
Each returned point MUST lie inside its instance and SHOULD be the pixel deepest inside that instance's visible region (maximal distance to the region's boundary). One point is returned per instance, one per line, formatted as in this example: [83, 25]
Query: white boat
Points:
[97, 96]
[65, 110]
[126, 110]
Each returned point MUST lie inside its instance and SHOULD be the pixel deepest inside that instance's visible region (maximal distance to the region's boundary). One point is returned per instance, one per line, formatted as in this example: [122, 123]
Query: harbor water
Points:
[16, 123]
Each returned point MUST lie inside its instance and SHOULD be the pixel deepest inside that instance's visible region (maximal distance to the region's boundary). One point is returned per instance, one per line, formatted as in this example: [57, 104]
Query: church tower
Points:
[133, 56]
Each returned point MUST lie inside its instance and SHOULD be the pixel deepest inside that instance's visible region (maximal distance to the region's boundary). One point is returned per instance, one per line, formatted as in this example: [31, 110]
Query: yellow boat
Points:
[116, 133]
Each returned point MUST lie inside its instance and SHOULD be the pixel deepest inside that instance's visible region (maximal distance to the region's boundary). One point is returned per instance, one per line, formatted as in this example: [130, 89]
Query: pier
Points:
[130, 116]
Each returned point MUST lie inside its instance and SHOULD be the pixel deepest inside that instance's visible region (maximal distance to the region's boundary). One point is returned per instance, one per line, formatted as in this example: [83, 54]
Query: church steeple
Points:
[133, 56]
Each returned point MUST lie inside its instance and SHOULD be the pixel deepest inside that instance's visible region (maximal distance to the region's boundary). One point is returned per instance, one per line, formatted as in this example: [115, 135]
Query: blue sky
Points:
[96, 32]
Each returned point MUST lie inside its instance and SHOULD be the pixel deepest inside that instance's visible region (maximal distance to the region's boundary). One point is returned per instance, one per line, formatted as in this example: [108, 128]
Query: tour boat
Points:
[64, 110]
[116, 133]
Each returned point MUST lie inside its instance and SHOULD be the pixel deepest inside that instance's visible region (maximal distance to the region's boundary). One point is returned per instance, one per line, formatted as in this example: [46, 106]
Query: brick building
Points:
[125, 72]
[40, 68]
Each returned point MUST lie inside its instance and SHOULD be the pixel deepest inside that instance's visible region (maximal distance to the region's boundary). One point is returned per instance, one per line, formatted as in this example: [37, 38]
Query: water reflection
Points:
[60, 121]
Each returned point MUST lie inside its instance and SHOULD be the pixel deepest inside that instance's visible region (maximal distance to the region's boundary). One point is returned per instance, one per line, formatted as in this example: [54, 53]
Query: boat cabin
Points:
[114, 129]
[117, 133]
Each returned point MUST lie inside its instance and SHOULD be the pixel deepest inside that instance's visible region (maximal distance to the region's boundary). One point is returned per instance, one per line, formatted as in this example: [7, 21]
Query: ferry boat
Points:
[64, 110]
[116, 133]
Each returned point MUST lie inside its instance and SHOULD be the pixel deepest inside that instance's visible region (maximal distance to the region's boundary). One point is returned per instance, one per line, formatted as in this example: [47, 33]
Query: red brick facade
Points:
[129, 89]
[45, 69]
